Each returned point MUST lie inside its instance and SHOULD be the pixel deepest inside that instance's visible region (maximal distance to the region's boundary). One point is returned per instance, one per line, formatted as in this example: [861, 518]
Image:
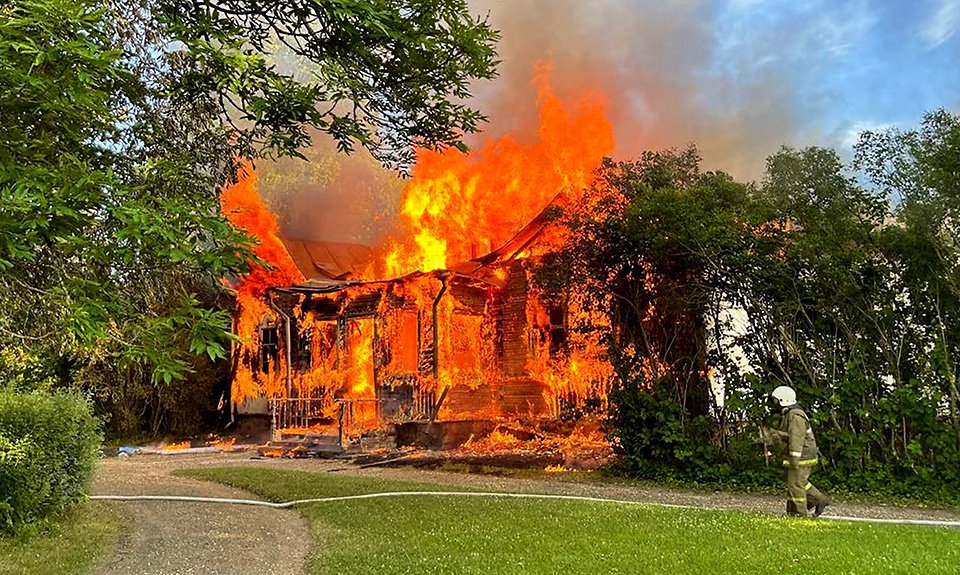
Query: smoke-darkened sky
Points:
[737, 77]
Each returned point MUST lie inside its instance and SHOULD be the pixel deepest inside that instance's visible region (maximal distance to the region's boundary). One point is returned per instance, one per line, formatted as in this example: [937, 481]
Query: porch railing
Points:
[297, 412]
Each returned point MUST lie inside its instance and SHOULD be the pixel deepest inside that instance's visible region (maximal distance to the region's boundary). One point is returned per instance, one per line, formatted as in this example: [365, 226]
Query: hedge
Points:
[49, 445]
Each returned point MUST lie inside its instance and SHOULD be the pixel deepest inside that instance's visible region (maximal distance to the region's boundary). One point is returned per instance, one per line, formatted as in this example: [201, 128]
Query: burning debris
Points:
[583, 447]
[211, 444]
[445, 324]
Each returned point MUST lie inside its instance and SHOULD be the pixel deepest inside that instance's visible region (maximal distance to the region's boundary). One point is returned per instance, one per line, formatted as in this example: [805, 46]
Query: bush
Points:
[132, 405]
[656, 441]
[49, 444]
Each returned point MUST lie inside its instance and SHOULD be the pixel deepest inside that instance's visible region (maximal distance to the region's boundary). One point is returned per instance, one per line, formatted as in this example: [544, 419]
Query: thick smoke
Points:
[673, 72]
[332, 196]
[670, 75]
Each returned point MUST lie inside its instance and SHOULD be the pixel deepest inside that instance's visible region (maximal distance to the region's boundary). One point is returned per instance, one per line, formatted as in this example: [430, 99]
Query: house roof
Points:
[327, 260]
[332, 266]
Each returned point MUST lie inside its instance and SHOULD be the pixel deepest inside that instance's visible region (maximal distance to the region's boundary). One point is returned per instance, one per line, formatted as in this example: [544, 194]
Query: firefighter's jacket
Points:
[798, 436]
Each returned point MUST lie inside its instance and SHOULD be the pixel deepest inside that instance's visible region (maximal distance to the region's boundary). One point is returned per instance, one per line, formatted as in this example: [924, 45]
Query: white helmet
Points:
[785, 395]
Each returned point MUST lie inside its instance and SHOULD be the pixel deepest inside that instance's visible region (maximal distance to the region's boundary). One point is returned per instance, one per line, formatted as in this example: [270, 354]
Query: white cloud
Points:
[839, 31]
[942, 23]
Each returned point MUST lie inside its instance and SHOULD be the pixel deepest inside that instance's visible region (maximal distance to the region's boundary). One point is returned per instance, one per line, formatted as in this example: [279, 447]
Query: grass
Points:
[465, 535]
[70, 545]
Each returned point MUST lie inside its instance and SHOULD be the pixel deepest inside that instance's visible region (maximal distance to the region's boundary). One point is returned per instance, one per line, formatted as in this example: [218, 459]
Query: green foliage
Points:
[846, 292]
[22, 370]
[655, 440]
[131, 405]
[49, 445]
[71, 545]
[104, 217]
[385, 74]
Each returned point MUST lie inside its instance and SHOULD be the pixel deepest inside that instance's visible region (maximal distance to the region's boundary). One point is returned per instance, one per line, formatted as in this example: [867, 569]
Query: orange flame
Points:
[242, 206]
[459, 206]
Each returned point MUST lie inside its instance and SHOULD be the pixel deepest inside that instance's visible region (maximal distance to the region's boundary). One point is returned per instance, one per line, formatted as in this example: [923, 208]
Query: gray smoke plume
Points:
[332, 196]
[674, 71]
[721, 74]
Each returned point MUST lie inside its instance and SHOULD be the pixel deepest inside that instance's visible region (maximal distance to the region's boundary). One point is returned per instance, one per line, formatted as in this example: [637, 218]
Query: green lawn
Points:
[466, 535]
[69, 546]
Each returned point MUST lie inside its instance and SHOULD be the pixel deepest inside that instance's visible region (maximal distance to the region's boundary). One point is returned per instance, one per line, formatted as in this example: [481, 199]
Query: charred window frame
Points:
[269, 346]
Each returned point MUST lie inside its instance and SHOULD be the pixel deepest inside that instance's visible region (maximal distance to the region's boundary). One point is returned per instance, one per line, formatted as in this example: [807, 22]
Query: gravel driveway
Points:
[173, 538]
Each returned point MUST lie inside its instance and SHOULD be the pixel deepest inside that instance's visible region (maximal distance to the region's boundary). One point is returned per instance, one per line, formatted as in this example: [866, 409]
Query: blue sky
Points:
[856, 64]
[737, 77]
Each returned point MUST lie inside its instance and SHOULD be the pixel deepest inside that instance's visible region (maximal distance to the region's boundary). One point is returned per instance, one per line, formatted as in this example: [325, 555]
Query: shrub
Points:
[49, 444]
[922, 460]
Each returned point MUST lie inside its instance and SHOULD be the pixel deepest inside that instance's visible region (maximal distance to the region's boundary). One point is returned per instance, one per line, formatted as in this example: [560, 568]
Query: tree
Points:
[383, 74]
[809, 279]
[920, 171]
[90, 203]
[120, 123]
[657, 253]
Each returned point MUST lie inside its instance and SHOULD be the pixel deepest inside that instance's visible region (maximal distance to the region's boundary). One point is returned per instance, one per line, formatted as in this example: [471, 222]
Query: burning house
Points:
[443, 325]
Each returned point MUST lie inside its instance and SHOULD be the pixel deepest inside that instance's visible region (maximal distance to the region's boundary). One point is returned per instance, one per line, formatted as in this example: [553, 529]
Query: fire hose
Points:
[540, 496]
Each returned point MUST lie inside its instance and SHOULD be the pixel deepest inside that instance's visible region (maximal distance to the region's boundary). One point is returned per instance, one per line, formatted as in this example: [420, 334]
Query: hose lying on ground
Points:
[289, 504]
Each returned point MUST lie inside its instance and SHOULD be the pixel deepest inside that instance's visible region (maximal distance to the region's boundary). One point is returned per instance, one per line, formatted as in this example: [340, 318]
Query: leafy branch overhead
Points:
[385, 74]
[121, 121]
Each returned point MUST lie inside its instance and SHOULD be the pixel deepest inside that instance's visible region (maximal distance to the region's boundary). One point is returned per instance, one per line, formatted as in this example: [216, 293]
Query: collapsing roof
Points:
[332, 266]
[328, 260]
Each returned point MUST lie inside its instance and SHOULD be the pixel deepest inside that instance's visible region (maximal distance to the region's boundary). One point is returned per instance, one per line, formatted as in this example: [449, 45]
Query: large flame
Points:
[462, 205]
[457, 206]
[242, 206]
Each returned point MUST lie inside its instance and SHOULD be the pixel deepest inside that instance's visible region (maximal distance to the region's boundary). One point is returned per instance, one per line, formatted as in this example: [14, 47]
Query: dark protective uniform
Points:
[801, 456]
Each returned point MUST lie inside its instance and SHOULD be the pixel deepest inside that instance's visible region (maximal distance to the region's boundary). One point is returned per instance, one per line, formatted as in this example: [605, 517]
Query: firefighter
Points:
[801, 456]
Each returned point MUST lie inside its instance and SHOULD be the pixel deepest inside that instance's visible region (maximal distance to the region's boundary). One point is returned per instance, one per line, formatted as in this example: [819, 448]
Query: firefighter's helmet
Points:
[785, 395]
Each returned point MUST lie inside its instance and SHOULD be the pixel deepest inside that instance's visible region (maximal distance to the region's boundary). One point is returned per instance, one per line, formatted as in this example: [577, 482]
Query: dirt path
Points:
[173, 538]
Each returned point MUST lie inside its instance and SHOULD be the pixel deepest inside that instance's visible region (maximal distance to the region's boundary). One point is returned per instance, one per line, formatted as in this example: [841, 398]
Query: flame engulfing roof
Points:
[333, 266]
[328, 260]
[512, 249]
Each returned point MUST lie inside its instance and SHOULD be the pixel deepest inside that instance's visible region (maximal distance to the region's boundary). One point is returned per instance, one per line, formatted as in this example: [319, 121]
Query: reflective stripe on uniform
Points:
[795, 454]
[801, 462]
[798, 500]
[808, 486]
